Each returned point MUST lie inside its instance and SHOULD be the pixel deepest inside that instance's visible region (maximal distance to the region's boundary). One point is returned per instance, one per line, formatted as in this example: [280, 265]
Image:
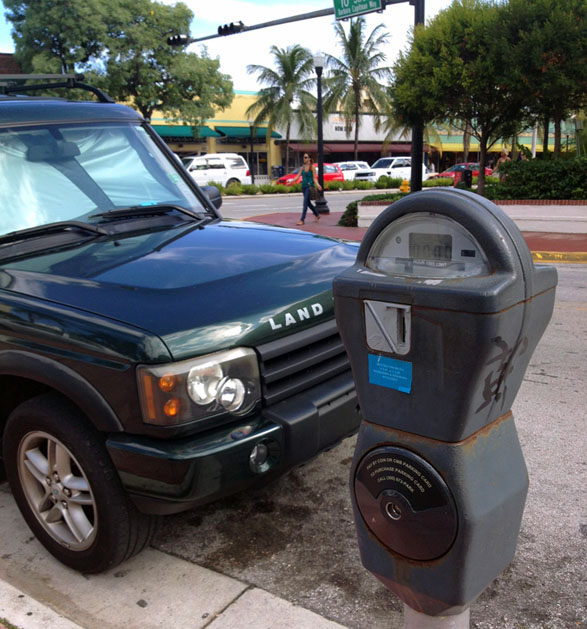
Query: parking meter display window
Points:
[402, 499]
[427, 245]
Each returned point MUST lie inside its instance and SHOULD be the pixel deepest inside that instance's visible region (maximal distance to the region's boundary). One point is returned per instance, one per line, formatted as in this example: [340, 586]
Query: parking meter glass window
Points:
[427, 245]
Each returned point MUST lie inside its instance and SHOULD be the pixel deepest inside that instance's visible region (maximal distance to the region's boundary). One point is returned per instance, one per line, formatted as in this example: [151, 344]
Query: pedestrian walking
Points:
[503, 158]
[310, 185]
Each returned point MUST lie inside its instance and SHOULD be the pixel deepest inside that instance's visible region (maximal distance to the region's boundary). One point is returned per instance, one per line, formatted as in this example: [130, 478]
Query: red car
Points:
[332, 172]
[459, 168]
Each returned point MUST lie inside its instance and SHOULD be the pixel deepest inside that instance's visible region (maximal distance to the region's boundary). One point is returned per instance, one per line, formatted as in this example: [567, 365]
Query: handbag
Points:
[313, 194]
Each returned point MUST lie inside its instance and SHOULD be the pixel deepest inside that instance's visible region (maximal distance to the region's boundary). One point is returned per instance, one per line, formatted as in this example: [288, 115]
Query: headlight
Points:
[176, 393]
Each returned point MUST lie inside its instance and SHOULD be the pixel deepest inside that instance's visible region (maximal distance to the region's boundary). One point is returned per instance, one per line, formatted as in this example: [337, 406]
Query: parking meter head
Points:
[441, 313]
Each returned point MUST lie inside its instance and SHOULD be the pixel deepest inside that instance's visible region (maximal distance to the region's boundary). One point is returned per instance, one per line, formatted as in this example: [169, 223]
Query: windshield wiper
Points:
[44, 230]
[136, 211]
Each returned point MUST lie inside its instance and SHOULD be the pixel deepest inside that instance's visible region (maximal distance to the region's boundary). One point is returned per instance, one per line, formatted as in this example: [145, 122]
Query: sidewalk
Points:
[545, 246]
[151, 591]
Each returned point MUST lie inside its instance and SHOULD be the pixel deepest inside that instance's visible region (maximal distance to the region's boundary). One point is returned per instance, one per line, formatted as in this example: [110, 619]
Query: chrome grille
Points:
[299, 361]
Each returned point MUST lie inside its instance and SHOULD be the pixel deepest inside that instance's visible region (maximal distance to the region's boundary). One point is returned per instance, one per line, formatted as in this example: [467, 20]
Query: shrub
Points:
[233, 190]
[267, 188]
[363, 185]
[348, 185]
[541, 179]
[350, 215]
[437, 182]
[218, 185]
[250, 189]
[388, 182]
[281, 189]
[333, 185]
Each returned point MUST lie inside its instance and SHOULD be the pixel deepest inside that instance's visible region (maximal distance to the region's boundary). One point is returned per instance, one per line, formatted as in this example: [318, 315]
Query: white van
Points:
[222, 168]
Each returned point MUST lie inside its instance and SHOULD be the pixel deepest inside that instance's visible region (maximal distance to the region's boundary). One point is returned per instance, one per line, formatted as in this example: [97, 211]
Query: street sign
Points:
[343, 9]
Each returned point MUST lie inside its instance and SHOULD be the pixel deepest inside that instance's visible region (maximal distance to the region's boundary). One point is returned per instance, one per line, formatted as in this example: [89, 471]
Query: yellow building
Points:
[228, 132]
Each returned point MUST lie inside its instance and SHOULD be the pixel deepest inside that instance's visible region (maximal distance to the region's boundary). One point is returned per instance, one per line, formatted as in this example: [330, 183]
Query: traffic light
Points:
[178, 40]
[231, 29]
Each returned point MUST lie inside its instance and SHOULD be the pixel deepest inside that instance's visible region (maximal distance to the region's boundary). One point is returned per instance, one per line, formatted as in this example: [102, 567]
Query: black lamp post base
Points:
[322, 206]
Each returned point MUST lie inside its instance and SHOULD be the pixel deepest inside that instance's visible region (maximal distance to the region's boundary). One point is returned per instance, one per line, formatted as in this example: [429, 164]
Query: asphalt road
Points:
[296, 538]
[244, 207]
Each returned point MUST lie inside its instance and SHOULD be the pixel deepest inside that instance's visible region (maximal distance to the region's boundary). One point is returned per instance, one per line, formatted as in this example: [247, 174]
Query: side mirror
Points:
[214, 195]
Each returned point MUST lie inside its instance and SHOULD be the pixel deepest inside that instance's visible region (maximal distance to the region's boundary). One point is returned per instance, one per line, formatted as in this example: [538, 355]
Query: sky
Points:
[237, 51]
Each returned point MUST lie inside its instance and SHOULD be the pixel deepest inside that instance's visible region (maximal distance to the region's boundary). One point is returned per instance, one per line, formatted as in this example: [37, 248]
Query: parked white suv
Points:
[222, 168]
[396, 167]
[356, 170]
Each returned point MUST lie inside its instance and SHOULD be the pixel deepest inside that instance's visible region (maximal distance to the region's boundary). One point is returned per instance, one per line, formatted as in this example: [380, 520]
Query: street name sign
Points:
[344, 9]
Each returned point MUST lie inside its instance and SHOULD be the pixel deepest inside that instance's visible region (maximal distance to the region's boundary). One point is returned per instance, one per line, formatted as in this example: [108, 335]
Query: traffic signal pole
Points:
[239, 27]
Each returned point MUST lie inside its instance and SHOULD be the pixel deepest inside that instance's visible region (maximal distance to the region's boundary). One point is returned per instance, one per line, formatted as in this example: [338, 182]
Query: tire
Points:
[67, 488]
[231, 181]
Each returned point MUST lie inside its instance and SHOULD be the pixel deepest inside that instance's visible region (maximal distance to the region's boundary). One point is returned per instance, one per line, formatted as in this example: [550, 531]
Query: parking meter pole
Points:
[416, 620]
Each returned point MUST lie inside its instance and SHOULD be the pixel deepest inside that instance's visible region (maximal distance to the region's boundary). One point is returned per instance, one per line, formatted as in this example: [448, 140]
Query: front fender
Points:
[64, 380]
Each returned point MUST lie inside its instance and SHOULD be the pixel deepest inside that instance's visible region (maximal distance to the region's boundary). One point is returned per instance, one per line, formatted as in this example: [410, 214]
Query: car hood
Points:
[199, 289]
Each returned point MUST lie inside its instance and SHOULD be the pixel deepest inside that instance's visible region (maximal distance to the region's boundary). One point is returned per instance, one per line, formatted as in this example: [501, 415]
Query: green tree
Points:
[56, 37]
[460, 70]
[123, 48]
[143, 69]
[286, 97]
[550, 37]
[356, 81]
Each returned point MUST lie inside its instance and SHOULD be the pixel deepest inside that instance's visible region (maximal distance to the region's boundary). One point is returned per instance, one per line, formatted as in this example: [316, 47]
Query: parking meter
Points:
[440, 315]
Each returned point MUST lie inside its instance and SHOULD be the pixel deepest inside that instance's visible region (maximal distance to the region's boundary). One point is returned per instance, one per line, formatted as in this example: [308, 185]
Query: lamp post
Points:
[321, 204]
[252, 166]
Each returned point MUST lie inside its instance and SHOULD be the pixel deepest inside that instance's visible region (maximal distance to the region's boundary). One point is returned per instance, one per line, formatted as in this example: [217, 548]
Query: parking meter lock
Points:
[440, 315]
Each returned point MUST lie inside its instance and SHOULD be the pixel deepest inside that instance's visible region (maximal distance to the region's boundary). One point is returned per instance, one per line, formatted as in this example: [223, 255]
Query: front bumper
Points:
[169, 476]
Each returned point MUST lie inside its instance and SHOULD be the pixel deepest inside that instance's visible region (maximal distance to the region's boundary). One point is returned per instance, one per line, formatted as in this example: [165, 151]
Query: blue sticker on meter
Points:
[390, 373]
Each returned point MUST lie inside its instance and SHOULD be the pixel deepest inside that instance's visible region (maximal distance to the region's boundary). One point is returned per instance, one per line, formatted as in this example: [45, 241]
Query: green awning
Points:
[245, 132]
[184, 131]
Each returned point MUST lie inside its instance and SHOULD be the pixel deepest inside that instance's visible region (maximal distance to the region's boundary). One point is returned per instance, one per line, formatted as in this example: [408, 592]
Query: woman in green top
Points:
[309, 179]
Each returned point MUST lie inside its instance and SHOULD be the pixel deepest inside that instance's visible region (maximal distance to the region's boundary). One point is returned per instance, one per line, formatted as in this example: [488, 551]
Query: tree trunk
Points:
[557, 137]
[286, 169]
[545, 138]
[515, 151]
[356, 136]
[482, 163]
[466, 142]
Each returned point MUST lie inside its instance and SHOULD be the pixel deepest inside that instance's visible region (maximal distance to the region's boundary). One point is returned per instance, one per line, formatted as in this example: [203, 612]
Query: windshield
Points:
[55, 173]
[382, 163]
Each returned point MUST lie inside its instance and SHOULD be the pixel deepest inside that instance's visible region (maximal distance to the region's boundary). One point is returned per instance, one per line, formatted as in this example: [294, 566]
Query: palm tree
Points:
[286, 97]
[356, 82]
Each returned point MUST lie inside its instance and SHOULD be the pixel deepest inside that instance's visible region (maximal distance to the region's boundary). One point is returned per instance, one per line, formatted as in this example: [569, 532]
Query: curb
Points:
[576, 257]
[22, 611]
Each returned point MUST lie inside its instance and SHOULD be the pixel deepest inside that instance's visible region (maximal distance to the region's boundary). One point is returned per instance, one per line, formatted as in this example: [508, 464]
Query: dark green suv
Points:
[153, 357]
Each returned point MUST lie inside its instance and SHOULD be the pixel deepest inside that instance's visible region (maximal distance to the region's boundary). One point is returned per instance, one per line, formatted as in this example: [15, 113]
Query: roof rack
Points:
[11, 84]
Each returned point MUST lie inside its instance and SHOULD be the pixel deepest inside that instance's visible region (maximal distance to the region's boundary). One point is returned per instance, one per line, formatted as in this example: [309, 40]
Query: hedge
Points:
[549, 179]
